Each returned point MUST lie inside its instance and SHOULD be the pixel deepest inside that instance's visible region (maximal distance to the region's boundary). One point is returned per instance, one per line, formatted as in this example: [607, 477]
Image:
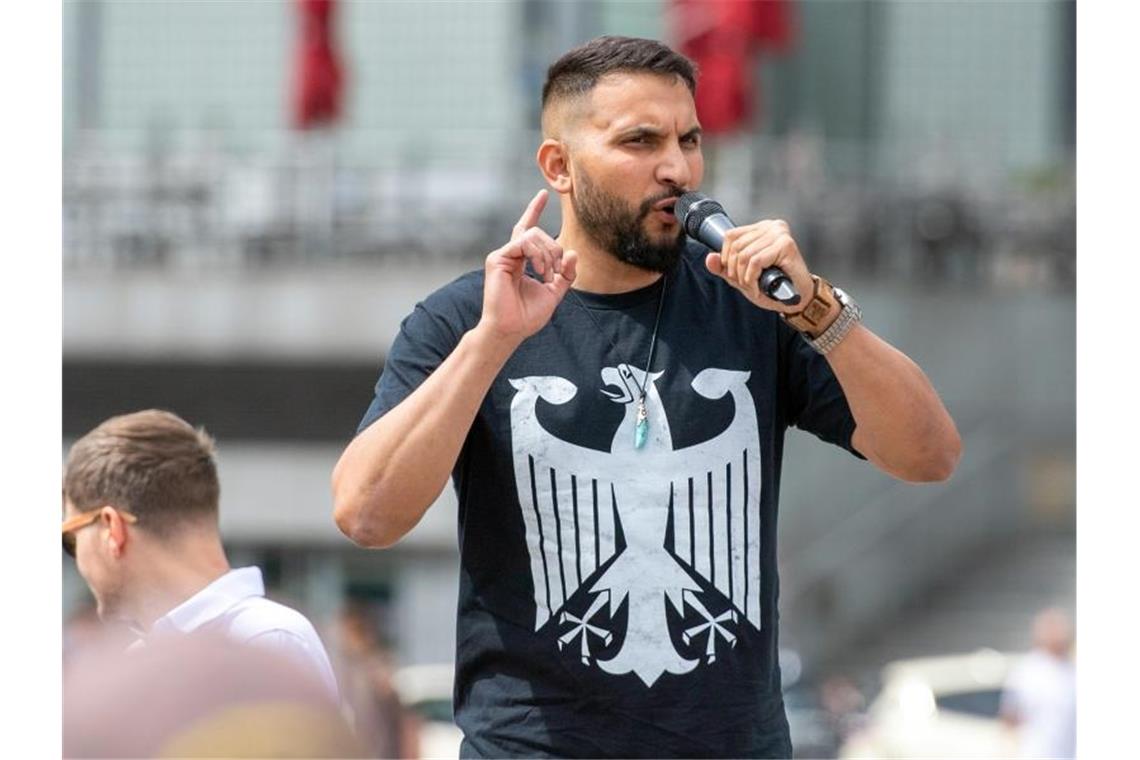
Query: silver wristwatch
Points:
[848, 317]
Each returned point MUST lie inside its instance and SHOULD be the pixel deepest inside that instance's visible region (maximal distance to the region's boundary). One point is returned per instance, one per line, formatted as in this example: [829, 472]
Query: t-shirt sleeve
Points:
[426, 337]
[816, 402]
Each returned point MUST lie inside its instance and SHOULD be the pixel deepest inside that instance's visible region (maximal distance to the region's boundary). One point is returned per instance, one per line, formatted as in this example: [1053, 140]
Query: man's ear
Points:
[113, 531]
[554, 162]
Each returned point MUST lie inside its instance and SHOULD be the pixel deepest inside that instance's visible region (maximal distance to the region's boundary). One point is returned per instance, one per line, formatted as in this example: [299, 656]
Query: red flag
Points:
[717, 35]
[722, 37]
[773, 25]
[318, 78]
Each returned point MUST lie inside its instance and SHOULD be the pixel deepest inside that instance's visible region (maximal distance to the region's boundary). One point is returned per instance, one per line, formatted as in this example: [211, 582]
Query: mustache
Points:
[648, 203]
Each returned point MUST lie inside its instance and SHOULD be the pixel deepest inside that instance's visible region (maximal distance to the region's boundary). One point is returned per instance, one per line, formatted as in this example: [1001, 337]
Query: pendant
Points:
[641, 430]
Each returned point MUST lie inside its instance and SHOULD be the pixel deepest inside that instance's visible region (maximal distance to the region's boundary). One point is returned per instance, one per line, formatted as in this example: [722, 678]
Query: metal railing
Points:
[202, 208]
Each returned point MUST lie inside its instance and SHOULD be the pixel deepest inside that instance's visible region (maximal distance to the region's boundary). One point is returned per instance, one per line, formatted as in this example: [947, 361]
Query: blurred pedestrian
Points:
[843, 704]
[364, 669]
[1040, 696]
[140, 498]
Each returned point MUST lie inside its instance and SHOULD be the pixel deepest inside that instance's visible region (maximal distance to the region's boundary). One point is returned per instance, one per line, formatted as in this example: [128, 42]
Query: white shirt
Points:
[236, 603]
[1042, 692]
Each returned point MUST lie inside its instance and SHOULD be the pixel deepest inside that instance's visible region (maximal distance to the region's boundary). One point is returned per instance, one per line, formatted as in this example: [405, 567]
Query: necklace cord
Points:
[652, 340]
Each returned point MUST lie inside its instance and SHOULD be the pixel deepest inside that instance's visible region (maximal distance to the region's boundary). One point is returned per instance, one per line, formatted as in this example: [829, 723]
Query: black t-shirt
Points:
[616, 599]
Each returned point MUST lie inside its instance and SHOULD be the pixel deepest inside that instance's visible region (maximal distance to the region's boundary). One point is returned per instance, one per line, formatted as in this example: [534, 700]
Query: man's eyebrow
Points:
[640, 130]
[646, 130]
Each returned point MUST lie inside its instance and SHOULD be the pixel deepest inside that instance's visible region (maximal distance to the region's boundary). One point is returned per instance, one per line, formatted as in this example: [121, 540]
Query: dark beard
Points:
[620, 230]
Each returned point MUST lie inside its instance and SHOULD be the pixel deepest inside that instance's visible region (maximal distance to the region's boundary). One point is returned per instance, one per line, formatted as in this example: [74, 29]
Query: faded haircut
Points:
[578, 71]
[152, 464]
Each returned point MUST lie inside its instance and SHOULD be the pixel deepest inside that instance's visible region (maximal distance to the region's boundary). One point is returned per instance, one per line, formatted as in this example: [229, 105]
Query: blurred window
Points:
[980, 703]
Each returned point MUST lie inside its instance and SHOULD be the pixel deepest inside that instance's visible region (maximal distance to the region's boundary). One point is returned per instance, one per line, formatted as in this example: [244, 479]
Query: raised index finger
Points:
[530, 217]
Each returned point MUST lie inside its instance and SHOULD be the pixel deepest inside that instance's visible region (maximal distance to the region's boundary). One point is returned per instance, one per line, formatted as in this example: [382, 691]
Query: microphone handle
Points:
[773, 282]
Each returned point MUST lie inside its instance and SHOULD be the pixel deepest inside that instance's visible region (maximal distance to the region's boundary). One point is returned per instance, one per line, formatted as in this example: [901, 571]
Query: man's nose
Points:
[673, 168]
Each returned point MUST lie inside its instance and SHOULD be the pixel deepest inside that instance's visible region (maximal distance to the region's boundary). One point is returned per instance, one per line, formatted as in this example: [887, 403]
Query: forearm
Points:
[395, 469]
[901, 424]
[391, 472]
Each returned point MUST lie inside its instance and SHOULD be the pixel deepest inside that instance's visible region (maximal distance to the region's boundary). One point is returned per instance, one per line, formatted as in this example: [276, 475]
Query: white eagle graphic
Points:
[702, 500]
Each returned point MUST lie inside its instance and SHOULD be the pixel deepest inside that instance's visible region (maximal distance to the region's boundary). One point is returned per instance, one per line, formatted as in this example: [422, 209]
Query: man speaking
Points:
[612, 404]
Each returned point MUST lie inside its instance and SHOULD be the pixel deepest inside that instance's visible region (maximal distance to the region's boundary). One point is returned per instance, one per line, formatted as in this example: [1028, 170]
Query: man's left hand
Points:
[751, 249]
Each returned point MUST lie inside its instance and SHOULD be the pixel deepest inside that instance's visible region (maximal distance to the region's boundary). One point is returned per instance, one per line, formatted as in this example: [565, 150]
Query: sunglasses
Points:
[73, 524]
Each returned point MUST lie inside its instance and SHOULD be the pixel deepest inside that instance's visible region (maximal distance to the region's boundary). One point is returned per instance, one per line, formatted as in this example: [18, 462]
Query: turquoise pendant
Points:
[641, 430]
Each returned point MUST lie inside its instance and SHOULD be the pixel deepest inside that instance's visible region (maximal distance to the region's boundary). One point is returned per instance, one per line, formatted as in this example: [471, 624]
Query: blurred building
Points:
[250, 277]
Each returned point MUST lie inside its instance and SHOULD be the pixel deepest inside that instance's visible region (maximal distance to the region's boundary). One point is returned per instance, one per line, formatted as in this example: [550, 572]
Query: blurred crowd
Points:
[220, 699]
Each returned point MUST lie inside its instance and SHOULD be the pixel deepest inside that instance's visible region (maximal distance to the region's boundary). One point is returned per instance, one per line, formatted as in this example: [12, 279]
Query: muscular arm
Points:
[901, 425]
[395, 468]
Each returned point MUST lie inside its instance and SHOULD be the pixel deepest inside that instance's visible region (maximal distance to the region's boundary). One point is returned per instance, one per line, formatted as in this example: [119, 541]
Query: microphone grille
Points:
[692, 209]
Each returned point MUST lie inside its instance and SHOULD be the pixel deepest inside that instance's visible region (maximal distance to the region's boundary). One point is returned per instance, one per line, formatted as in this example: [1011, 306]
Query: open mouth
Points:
[666, 207]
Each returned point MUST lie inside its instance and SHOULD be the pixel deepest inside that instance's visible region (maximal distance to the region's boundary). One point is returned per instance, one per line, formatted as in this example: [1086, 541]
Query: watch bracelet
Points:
[848, 317]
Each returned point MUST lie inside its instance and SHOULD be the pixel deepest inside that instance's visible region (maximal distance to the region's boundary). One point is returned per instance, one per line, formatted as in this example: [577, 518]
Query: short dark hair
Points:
[152, 464]
[578, 71]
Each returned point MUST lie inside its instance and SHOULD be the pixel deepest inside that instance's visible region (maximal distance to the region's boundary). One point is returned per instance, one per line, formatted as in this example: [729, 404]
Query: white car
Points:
[943, 706]
[426, 691]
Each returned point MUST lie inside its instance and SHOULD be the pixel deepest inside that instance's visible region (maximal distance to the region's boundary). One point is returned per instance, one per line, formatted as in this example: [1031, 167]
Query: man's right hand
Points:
[516, 306]
[396, 468]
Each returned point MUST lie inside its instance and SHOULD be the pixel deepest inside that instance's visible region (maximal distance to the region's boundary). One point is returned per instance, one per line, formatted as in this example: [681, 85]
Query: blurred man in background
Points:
[364, 668]
[140, 495]
[1040, 697]
[618, 560]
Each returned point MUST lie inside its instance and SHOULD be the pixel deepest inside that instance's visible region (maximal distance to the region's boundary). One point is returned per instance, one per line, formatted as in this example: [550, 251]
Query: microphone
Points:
[705, 220]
